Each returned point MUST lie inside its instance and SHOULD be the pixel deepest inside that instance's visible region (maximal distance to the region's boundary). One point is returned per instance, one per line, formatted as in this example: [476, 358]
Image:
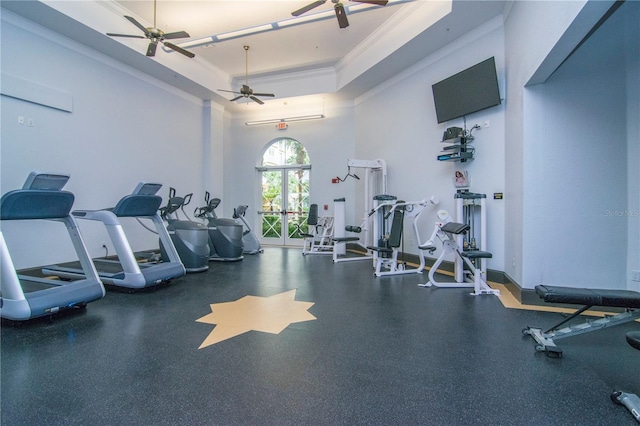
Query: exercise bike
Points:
[225, 235]
[188, 237]
[250, 243]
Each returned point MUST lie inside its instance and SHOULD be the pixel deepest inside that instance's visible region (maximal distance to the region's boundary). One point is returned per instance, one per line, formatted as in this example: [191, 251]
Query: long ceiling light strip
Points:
[244, 32]
[285, 23]
[285, 120]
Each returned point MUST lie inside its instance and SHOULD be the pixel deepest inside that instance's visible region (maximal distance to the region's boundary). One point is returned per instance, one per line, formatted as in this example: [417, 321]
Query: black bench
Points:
[588, 298]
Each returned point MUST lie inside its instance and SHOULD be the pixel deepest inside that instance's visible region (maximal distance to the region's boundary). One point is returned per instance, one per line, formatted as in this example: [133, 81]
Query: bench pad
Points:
[589, 296]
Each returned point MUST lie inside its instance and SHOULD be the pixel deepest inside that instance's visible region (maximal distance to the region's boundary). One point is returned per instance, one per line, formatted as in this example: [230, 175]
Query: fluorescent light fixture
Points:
[261, 122]
[203, 41]
[304, 118]
[244, 32]
[284, 120]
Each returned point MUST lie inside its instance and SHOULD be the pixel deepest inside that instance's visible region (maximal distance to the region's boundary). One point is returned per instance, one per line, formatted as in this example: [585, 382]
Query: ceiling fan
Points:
[343, 22]
[156, 36]
[246, 91]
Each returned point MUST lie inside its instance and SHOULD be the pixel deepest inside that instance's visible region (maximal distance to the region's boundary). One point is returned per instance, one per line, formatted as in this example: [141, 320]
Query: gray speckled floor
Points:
[382, 351]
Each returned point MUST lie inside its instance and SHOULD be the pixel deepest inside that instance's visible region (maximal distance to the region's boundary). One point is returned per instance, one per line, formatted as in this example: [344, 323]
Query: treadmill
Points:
[126, 271]
[23, 296]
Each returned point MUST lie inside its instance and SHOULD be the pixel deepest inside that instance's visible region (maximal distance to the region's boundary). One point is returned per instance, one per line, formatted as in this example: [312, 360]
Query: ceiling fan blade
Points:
[236, 98]
[378, 2]
[229, 91]
[179, 49]
[151, 50]
[125, 35]
[308, 7]
[343, 22]
[138, 24]
[177, 34]
[257, 100]
[271, 95]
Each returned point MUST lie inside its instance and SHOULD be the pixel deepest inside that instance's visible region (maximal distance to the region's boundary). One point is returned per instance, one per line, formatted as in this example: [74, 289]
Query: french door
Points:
[285, 204]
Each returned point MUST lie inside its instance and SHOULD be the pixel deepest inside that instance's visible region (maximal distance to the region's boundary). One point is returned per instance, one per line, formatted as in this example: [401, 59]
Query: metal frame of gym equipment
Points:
[142, 203]
[467, 251]
[319, 238]
[375, 184]
[24, 297]
[412, 209]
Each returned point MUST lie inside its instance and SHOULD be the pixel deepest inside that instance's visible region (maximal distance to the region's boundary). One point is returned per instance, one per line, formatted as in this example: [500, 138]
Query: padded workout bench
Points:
[626, 299]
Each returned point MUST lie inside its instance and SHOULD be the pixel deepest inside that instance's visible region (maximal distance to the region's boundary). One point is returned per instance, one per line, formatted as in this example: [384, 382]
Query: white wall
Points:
[397, 123]
[532, 29]
[124, 128]
[631, 31]
[575, 148]
[576, 154]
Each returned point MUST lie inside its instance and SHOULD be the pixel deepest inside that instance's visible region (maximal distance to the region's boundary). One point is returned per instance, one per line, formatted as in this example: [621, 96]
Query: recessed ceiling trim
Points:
[285, 23]
[390, 37]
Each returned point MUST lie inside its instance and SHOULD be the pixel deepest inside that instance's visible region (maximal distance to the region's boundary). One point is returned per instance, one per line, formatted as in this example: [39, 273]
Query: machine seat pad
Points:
[24, 204]
[137, 205]
[305, 235]
[455, 228]
[477, 254]
[428, 247]
[633, 338]
[589, 296]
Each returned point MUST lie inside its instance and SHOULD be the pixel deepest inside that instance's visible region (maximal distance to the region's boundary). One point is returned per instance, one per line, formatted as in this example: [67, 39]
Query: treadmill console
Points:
[45, 181]
[144, 188]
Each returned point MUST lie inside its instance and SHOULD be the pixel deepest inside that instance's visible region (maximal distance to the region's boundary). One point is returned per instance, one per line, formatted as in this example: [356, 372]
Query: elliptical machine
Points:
[190, 238]
[250, 242]
[225, 235]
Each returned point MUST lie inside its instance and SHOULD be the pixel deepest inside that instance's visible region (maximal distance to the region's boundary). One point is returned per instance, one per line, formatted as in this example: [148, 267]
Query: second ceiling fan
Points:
[245, 90]
[343, 22]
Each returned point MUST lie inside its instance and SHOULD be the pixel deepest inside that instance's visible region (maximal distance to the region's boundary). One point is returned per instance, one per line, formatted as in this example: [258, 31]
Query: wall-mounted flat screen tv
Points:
[469, 91]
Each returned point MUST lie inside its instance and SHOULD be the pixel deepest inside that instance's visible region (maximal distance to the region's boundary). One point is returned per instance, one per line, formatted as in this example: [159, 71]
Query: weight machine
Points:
[375, 193]
[460, 239]
[320, 230]
[389, 244]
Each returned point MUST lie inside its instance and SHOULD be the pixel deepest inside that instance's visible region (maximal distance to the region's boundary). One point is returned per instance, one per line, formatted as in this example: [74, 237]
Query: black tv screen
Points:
[471, 90]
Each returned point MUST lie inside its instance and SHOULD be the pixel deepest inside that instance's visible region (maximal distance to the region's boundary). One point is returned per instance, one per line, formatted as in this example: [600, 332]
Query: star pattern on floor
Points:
[267, 314]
